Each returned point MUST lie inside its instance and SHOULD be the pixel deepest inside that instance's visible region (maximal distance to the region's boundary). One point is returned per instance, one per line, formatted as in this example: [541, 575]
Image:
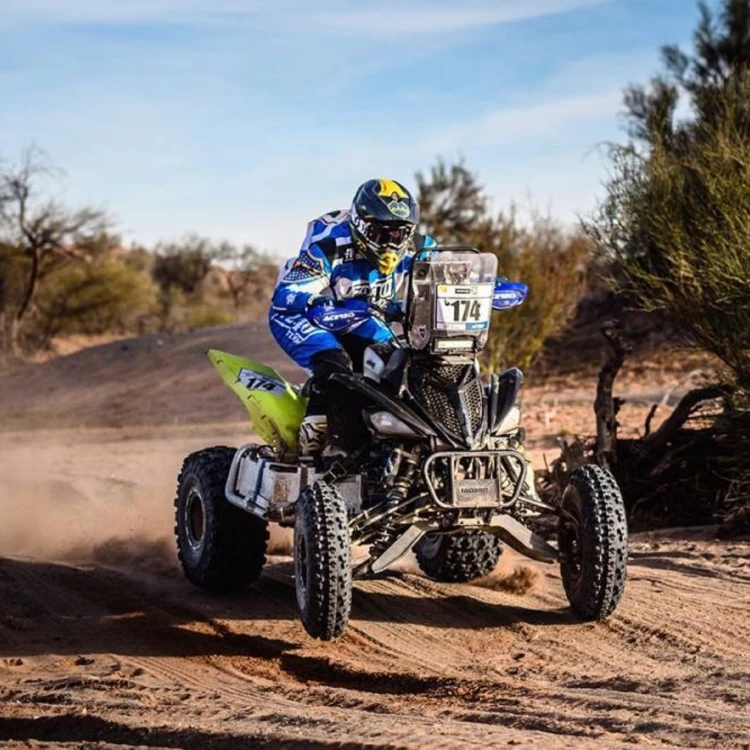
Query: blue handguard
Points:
[393, 311]
[508, 294]
[338, 316]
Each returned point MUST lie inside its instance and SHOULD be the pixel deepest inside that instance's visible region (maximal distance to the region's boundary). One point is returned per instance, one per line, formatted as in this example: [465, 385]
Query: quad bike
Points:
[422, 455]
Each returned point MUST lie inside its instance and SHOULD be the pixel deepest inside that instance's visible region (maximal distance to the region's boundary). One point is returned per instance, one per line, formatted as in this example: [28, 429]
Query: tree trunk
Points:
[14, 331]
[657, 442]
[4, 333]
[31, 289]
[606, 406]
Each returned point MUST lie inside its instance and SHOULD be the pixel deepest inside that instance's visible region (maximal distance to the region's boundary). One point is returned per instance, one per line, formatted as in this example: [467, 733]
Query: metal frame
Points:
[498, 455]
[229, 488]
[253, 503]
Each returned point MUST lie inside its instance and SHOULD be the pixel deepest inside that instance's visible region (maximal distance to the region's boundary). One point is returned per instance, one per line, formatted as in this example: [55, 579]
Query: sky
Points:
[244, 119]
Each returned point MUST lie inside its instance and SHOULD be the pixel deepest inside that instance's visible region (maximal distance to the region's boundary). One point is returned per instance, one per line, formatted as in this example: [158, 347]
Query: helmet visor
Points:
[389, 235]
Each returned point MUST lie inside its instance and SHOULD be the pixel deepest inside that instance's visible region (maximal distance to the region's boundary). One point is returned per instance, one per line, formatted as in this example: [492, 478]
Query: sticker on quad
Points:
[275, 406]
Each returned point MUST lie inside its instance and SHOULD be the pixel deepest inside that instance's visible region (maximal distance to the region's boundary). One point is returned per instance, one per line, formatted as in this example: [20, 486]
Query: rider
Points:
[363, 252]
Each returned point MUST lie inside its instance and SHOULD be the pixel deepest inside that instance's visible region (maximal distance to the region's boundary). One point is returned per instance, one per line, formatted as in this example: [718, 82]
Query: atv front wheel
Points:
[458, 558]
[220, 546]
[322, 561]
[593, 543]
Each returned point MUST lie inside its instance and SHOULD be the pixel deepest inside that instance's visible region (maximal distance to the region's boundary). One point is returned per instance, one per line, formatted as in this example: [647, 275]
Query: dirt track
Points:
[102, 642]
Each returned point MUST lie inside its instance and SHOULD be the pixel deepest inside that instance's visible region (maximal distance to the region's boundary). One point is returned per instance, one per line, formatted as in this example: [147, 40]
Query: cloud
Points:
[249, 125]
[93, 11]
[504, 126]
[389, 19]
[386, 18]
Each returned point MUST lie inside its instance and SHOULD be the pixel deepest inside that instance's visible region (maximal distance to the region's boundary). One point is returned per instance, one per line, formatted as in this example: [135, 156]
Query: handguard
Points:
[508, 294]
[339, 316]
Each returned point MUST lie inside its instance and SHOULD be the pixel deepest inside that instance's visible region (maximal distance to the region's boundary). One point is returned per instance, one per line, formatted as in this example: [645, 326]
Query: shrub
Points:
[204, 315]
[677, 227]
[99, 297]
[554, 266]
[552, 262]
[184, 264]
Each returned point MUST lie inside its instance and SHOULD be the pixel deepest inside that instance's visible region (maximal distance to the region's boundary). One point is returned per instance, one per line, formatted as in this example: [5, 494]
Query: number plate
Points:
[255, 381]
[463, 308]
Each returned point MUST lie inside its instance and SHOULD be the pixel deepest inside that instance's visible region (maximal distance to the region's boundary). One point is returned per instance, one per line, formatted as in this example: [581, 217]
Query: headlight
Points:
[388, 424]
[451, 344]
[510, 422]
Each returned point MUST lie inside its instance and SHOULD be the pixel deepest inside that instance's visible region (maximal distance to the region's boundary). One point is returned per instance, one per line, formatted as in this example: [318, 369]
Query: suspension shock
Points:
[398, 474]
[398, 478]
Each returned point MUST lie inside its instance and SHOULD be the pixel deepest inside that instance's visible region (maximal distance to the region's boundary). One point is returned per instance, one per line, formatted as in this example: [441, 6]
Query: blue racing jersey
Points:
[329, 264]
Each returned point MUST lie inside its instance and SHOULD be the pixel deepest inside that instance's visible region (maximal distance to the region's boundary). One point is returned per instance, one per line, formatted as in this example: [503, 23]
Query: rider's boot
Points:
[313, 434]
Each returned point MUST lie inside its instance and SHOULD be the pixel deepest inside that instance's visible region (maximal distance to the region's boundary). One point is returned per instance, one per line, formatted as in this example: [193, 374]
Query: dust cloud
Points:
[103, 496]
[511, 575]
[107, 497]
[280, 541]
[100, 496]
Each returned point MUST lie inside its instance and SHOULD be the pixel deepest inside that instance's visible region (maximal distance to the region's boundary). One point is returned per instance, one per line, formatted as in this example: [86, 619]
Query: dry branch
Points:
[690, 401]
[605, 405]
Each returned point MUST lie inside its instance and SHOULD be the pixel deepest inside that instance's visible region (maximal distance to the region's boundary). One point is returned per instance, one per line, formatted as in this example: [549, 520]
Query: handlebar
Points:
[341, 316]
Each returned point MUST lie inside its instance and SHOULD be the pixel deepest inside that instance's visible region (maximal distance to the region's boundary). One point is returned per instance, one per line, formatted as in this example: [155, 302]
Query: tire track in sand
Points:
[460, 662]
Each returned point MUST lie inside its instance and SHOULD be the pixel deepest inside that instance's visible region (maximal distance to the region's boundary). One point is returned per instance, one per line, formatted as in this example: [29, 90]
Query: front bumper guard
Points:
[499, 478]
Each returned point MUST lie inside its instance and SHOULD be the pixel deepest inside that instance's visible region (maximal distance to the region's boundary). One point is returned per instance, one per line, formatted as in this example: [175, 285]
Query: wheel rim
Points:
[195, 518]
[569, 535]
[300, 569]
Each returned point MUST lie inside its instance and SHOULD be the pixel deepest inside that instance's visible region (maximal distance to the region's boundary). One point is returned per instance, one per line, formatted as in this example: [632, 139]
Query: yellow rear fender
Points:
[275, 406]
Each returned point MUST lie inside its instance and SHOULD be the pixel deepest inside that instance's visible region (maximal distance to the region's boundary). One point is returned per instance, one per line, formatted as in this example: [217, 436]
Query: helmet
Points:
[383, 219]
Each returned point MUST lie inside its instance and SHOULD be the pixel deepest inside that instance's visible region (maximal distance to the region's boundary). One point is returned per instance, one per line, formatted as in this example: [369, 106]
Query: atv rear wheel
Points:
[220, 546]
[458, 558]
[322, 561]
[593, 543]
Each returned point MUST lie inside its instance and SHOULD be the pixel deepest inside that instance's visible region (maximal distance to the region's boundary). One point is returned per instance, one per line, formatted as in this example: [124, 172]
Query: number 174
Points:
[465, 309]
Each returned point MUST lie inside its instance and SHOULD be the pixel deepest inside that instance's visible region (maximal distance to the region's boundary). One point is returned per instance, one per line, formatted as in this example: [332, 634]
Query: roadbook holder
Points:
[450, 301]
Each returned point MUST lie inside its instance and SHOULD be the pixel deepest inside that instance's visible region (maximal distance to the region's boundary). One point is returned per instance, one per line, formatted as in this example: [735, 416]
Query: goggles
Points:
[388, 235]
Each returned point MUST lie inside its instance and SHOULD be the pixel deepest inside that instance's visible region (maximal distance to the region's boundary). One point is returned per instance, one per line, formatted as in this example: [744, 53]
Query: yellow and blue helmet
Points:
[383, 217]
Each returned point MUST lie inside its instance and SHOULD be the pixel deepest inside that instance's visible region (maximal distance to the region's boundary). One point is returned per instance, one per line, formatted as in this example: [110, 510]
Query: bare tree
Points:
[244, 264]
[41, 230]
[452, 202]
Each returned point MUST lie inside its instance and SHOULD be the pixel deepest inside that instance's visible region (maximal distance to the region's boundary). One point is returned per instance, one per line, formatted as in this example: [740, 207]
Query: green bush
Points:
[554, 265]
[675, 226]
[541, 254]
[92, 298]
[676, 220]
[204, 315]
[184, 264]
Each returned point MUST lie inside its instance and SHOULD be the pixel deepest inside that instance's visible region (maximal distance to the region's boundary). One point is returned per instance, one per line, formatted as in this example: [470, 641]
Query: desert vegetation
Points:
[671, 237]
[64, 270]
[555, 263]
[674, 234]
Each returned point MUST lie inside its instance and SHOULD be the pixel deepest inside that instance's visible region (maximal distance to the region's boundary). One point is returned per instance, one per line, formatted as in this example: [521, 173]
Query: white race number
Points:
[463, 308]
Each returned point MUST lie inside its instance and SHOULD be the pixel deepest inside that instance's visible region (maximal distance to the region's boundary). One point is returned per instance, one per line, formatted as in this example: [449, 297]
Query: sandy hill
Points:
[167, 379]
[159, 379]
